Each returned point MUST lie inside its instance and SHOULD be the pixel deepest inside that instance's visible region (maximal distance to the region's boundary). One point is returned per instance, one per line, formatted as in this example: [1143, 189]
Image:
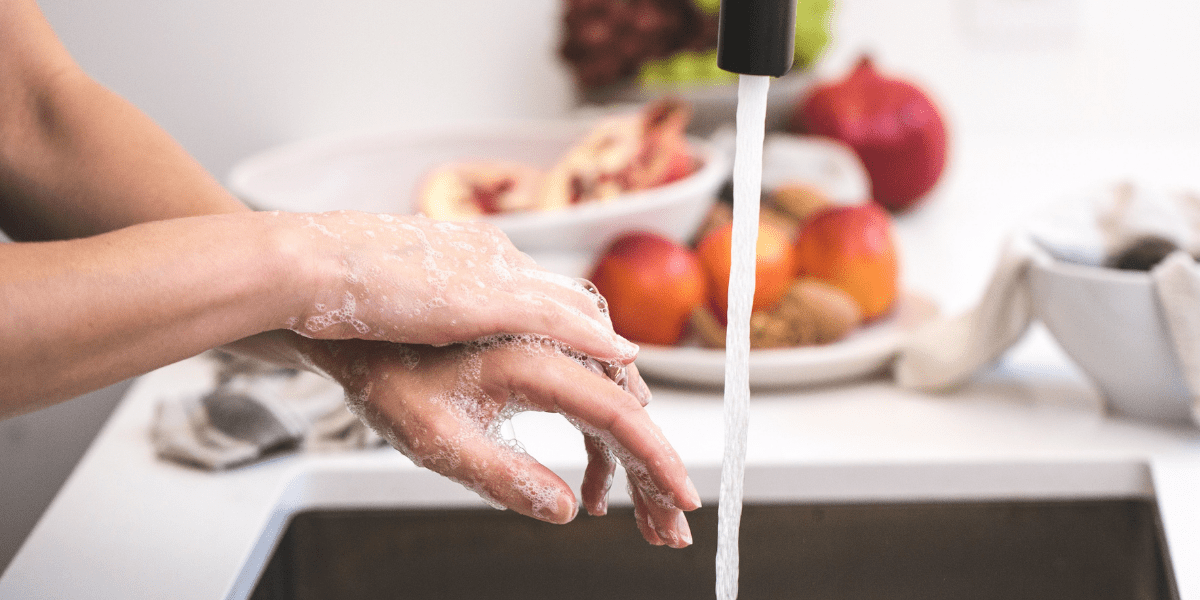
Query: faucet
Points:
[757, 37]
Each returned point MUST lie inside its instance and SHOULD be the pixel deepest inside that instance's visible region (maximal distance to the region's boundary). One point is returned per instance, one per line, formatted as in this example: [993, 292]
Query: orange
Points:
[852, 248]
[773, 271]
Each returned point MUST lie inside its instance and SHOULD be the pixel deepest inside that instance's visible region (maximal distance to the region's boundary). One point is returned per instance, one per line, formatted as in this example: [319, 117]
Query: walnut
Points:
[709, 329]
[800, 200]
[781, 220]
[768, 330]
[819, 313]
[811, 313]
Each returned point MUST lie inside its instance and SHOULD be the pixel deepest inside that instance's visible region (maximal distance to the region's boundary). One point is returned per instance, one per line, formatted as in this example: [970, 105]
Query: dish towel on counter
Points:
[947, 352]
[256, 411]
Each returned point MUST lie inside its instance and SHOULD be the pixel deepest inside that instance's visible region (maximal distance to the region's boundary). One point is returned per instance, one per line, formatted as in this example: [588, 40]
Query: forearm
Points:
[76, 159]
[80, 314]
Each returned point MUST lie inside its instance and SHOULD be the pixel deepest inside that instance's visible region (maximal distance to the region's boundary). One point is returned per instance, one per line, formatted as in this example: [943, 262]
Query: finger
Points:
[641, 518]
[575, 291]
[578, 294]
[597, 477]
[500, 474]
[526, 315]
[668, 523]
[517, 481]
[637, 386]
[547, 315]
[603, 409]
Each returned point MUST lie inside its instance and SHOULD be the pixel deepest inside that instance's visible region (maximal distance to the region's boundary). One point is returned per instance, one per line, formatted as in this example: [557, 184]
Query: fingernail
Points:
[561, 512]
[685, 531]
[668, 537]
[693, 495]
[645, 389]
[598, 508]
[627, 348]
[572, 507]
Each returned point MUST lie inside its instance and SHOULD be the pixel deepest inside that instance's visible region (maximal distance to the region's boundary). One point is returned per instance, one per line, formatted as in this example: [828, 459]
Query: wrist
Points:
[306, 269]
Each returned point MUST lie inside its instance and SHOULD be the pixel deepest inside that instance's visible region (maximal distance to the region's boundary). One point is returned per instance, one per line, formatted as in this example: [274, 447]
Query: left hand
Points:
[443, 407]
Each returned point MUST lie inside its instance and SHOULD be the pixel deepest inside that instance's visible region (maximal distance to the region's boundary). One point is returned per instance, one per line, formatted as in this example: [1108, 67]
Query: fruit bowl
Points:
[381, 173]
[863, 353]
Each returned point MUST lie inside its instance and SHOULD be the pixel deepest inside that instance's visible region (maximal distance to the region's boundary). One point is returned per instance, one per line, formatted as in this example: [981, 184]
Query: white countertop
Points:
[127, 525]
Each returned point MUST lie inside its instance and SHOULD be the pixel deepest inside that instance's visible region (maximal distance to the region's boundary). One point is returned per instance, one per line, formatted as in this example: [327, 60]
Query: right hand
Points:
[415, 280]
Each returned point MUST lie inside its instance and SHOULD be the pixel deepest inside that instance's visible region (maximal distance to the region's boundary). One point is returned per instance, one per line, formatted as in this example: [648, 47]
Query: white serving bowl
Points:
[1110, 323]
[380, 173]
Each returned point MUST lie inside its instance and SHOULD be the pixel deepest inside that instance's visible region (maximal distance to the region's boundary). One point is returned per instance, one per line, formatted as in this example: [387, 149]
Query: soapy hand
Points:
[443, 408]
[415, 280]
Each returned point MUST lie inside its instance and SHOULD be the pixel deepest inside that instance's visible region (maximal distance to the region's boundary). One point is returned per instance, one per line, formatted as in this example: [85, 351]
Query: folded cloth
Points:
[255, 411]
[1087, 230]
[946, 352]
[1177, 281]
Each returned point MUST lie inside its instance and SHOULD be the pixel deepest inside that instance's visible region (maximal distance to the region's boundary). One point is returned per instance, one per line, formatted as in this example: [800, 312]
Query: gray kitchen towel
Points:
[254, 411]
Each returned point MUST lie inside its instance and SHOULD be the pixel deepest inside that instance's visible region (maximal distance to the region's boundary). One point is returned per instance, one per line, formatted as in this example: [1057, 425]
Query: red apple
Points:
[652, 285]
[852, 248]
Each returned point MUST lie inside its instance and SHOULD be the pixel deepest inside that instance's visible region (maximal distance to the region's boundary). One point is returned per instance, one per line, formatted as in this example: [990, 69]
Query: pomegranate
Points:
[892, 125]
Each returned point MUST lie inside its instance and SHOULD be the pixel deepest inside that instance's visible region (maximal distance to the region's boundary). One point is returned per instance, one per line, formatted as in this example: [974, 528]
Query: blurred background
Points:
[231, 78]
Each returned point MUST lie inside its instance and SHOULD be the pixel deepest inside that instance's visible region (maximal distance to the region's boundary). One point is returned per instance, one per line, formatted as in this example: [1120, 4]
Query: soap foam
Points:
[345, 314]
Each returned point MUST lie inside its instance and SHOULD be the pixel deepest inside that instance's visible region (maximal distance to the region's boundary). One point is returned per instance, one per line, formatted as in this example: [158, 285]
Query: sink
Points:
[1092, 549]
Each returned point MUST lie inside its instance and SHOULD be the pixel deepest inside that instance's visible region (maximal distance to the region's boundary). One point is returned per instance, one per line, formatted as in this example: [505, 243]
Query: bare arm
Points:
[77, 315]
[132, 257]
[76, 159]
[157, 262]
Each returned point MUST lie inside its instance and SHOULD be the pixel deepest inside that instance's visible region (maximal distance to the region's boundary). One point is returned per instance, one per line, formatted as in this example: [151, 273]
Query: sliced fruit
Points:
[465, 191]
[623, 154]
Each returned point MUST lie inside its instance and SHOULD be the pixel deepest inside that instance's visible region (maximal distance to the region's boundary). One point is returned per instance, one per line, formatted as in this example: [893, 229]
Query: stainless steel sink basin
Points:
[1028, 550]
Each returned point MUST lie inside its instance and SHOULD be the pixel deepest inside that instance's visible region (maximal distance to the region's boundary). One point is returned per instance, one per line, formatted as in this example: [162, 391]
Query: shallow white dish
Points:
[864, 352]
[380, 173]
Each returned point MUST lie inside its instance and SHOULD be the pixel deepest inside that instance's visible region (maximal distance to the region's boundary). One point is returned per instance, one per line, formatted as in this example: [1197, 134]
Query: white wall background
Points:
[228, 77]
[1041, 67]
[231, 77]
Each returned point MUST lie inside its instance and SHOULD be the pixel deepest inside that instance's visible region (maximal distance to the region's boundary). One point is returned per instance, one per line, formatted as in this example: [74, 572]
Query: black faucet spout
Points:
[757, 37]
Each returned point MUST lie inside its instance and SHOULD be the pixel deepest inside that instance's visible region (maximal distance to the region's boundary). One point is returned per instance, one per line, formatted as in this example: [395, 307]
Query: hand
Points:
[418, 281]
[443, 408]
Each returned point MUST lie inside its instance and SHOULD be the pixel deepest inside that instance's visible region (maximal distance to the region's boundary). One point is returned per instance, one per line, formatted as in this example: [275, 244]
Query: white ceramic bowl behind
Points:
[380, 173]
[1110, 323]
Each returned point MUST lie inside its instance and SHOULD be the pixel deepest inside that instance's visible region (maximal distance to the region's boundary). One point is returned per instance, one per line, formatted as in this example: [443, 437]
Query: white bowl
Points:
[1110, 323]
[380, 173]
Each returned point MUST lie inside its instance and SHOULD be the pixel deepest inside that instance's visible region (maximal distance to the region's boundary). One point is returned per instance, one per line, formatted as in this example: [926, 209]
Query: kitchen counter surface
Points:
[127, 525]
